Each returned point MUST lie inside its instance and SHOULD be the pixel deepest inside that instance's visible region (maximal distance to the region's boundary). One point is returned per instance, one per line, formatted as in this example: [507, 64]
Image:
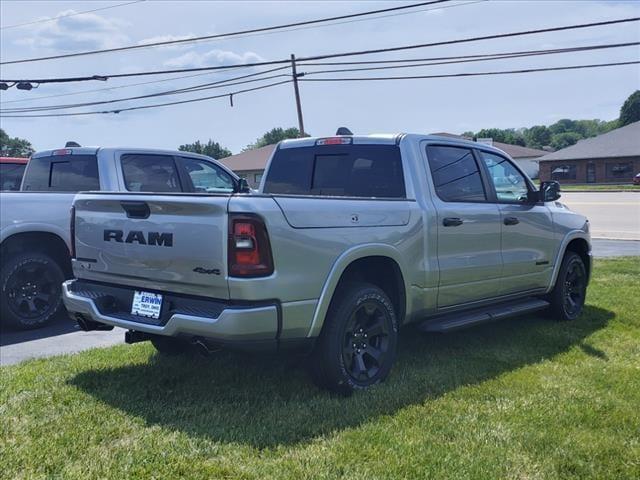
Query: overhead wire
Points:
[222, 35]
[340, 54]
[45, 20]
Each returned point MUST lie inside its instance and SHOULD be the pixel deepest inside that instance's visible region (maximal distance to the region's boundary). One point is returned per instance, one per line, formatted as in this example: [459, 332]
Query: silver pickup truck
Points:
[348, 239]
[34, 223]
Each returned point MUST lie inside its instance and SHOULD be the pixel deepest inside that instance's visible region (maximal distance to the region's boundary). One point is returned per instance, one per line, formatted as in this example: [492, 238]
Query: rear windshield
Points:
[62, 173]
[343, 170]
[11, 175]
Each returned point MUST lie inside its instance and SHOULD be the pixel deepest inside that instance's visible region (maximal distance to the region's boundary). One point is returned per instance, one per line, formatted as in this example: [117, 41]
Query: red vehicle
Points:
[11, 171]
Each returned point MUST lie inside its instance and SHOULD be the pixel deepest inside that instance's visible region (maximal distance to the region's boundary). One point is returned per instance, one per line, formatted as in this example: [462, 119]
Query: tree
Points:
[14, 146]
[274, 136]
[537, 136]
[630, 111]
[211, 149]
[564, 139]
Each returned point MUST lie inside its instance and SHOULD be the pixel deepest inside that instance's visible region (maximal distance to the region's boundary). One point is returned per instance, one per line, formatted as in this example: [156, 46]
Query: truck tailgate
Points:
[173, 243]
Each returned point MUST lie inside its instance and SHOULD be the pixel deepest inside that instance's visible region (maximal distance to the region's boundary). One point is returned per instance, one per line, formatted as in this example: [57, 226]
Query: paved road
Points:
[613, 215]
[62, 336]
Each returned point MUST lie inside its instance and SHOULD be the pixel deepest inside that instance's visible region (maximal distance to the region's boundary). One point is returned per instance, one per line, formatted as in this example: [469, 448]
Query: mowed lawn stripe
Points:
[522, 398]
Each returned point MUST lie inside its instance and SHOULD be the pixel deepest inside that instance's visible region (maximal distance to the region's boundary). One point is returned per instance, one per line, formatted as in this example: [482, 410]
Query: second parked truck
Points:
[348, 239]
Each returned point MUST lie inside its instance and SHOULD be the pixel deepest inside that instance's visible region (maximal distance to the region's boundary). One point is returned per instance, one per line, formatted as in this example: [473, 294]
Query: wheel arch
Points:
[578, 242]
[41, 242]
[370, 263]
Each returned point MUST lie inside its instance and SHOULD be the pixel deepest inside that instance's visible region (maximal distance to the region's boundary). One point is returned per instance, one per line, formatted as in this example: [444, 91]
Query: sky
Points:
[419, 106]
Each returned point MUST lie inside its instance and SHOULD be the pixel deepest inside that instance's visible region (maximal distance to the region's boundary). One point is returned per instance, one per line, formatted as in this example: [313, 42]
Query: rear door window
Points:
[150, 173]
[344, 170]
[207, 177]
[62, 173]
[455, 173]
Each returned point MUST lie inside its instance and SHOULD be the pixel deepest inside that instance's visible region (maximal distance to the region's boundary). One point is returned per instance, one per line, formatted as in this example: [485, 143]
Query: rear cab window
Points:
[11, 175]
[359, 170]
[62, 173]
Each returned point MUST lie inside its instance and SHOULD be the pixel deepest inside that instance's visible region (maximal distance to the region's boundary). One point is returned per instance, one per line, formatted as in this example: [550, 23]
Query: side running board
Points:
[450, 322]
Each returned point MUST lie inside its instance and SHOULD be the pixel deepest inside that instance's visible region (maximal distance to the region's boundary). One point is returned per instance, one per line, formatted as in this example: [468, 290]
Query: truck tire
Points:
[169, 346]
[358, 343]
[30, 290]
[569, 293]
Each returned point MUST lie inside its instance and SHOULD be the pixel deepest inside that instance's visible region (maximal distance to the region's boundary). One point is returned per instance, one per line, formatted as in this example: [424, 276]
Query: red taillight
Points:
[72, 232]
[249, 248]
[63, 151]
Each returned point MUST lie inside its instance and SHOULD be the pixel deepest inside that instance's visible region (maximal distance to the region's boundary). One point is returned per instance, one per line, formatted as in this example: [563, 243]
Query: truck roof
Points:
[391, 139]
[95, 150]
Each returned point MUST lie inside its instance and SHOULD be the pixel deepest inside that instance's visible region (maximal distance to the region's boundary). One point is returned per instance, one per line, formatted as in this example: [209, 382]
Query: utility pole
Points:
[297, 92]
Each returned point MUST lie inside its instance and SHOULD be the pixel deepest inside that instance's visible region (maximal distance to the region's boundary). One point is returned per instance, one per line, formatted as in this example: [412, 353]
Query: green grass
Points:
[594, 187]
[525, 398]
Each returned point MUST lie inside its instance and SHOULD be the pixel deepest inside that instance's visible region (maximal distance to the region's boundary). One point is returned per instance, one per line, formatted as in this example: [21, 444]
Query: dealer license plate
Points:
[146, 304]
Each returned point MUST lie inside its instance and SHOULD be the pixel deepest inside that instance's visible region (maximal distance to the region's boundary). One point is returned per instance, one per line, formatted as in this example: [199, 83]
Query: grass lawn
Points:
[594, 187]
[526, 398]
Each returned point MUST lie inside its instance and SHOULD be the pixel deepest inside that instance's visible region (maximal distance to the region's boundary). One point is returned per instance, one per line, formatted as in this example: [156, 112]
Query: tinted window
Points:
[206, 176]
[63, 173]
[619, 170]
[11, 175]
[510, 184]
[150, 173]
[344, 170]
[564, 172]
[455, 174]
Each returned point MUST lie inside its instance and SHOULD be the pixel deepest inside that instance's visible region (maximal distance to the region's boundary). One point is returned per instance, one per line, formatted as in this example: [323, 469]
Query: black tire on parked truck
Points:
[569, 293]
[169, 346]
[358, 343]
[30, 290]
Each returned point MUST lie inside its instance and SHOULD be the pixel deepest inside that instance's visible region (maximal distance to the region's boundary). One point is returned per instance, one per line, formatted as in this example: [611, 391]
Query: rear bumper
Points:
[184, 316]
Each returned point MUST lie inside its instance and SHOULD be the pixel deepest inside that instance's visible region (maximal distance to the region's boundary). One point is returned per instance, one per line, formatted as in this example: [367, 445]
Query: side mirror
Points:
[549, 191]
[243, 186]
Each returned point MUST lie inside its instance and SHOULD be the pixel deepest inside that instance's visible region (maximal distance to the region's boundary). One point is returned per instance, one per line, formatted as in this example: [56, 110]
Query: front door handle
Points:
[511, 221]
[452, 222]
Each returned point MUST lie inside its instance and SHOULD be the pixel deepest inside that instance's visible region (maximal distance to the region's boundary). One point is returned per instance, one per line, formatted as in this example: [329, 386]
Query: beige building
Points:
[250, 164]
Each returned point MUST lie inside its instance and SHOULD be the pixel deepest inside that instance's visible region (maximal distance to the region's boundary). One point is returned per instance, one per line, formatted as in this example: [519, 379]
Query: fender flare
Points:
[35, 228]
[570, 236]
[338, 268]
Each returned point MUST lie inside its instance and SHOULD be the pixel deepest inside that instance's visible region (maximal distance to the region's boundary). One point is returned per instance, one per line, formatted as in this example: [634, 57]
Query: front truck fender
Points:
[340, 265]
[568, 238]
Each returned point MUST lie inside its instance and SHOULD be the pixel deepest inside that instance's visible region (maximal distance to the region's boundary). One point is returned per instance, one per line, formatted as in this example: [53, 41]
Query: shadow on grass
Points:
[266, 401]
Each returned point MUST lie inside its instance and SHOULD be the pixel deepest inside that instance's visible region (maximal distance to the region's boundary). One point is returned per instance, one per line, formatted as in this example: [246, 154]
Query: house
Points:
[250, 164]
[526, 158]
[613, 157]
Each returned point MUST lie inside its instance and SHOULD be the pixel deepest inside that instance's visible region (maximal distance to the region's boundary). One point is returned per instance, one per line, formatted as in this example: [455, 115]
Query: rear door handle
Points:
[452, 222]
[511, 221]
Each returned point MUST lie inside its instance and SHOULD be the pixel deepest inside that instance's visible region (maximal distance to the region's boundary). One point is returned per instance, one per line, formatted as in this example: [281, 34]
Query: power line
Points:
[480, 55]
[195, 88]
[44, 20]
[106, 89]
[226, 82]
[222, 35]
[155, 105]
[470, 74]
[227, 95]
[337, 55]
[475, 58]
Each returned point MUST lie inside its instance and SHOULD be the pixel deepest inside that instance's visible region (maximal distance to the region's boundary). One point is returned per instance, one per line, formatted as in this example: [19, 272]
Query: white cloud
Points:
[86, 31]
[212, 58]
